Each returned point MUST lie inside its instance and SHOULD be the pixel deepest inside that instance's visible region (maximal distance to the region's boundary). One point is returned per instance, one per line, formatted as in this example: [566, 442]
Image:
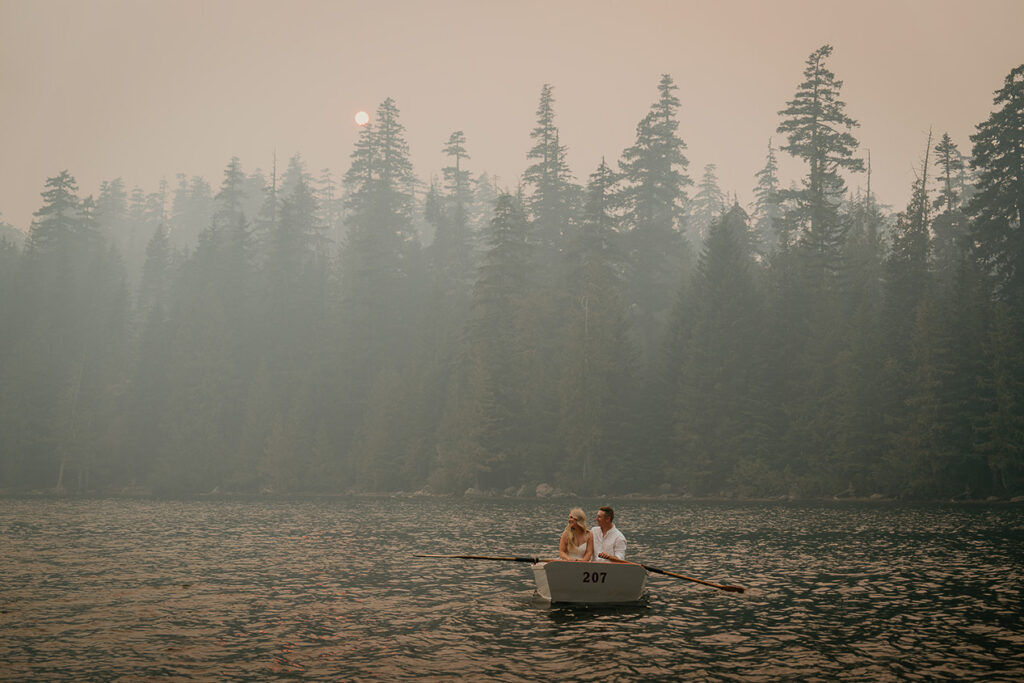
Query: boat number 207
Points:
[594, 577]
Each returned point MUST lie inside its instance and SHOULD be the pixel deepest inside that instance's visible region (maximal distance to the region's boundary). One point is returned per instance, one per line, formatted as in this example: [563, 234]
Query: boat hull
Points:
[590, 582]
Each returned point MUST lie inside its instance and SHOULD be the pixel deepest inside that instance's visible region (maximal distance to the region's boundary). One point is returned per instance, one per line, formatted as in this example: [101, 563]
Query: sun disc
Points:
[362, 118]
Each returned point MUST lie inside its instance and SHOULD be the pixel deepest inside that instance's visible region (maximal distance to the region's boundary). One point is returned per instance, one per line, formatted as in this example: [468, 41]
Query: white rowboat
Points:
[590, 582]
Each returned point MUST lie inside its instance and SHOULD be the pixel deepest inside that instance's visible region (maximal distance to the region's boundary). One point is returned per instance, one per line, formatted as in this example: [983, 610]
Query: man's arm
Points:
[620, 547]
[618, 553]
[611, 558]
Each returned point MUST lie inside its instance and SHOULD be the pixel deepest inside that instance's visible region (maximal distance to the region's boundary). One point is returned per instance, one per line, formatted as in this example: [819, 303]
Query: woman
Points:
[577, 543]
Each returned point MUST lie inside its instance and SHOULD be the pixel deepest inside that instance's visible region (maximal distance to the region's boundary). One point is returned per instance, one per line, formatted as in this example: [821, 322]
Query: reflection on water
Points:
[327, 589]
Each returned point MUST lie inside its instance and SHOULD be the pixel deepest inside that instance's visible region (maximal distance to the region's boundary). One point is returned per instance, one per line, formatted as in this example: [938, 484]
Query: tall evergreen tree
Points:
[382, 278]
[293, 249]
[112, 211]
[452, 250]
[230, 199]
[329, 201]
[653, 200]
[72, 333]
[707, 207]
[485, 196]
[548, 179]
[58, 219]
[156, 272]
[997, 210]
[1000, 427]
[817, 129]
[950, 163]
[485, 433]
[269, 214]
[719, 390]
[949, 228]
[997, 234]
[922, 455]
[766, 211]
[596, 383]
[907, 278]
[212, 326]
[191, 210]
[156, 204]
[10, 234]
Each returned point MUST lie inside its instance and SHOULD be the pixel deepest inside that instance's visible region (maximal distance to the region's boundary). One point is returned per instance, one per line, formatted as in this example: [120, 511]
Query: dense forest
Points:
[639, 332]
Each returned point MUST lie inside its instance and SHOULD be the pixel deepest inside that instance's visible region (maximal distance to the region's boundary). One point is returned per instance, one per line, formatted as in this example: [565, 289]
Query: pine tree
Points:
[596, 383]
[452, 250]
[997, 210]
[10, 234]
[71, 342]
[485, 196]
[435, 214]
[452, 257]
[867, 397]
[230, 199]
[156, 204]
[156, 272]
[191, 210]
[707, 207]
[485, 434]
[950, 164]
[907, 271]
[212, 324]
[293, 174]
[548, 180]
[997, 234]
[653, 200]
[58, 219]
[1001, 427]
[381, 273]
[268, 216]
[330, 205]
[766, 211]
[128, 227]
[717, 419]
[817, 129]
[926, 452]
[293, 247]
[112, 211]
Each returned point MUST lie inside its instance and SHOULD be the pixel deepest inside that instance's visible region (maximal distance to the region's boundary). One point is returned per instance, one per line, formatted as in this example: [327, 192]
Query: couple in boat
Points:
[603, 543]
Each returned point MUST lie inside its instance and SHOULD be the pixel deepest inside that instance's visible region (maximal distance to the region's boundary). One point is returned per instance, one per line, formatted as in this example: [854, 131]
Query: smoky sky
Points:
[147, 89]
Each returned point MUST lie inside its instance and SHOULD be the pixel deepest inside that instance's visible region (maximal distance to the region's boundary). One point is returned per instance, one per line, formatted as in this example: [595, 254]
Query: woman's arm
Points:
[563, 547]
[589, 555]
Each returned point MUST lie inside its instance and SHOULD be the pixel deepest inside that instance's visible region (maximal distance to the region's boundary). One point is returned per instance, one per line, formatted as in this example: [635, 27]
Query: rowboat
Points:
[589, 582]
[592, 583]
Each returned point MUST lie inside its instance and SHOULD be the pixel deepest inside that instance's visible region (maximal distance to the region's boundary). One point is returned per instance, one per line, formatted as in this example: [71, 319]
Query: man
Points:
[609, 543]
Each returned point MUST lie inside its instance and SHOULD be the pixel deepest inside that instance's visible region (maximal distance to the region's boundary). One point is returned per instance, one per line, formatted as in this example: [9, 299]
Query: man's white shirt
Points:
[613, 543]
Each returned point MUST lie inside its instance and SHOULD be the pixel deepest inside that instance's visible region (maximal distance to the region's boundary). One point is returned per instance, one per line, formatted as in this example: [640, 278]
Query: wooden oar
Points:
[731, 589]
[535, 560]
[532, 560]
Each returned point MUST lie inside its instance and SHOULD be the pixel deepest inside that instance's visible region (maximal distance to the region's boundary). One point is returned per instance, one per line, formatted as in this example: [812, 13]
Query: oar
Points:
[531, 560]
[731, 589]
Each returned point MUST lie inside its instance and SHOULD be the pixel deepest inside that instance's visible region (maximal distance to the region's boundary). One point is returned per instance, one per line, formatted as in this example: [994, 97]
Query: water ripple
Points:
[328, 590]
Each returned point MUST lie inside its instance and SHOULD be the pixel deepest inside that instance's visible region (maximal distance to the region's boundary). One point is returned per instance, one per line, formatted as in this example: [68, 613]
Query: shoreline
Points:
[143, 494]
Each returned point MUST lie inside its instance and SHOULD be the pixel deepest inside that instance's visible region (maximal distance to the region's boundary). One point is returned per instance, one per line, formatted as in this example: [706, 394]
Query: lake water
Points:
[328, 589]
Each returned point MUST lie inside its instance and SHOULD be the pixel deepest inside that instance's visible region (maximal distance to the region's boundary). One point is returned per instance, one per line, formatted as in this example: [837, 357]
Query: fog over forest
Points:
[382, 328]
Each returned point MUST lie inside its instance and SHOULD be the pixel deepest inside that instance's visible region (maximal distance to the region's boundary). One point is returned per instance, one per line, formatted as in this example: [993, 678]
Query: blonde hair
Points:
[581, 519]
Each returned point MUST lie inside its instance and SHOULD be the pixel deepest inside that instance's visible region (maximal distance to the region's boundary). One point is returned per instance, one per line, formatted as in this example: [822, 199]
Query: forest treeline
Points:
[636, 332]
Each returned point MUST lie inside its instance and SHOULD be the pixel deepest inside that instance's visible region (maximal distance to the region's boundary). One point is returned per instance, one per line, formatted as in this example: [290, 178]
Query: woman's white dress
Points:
[580, 551]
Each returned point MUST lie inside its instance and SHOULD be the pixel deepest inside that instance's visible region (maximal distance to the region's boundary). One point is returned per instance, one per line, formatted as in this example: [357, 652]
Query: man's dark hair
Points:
[609, 512]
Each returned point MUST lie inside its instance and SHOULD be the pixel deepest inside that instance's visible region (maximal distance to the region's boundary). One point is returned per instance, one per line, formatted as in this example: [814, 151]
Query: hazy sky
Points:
[147, 89]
